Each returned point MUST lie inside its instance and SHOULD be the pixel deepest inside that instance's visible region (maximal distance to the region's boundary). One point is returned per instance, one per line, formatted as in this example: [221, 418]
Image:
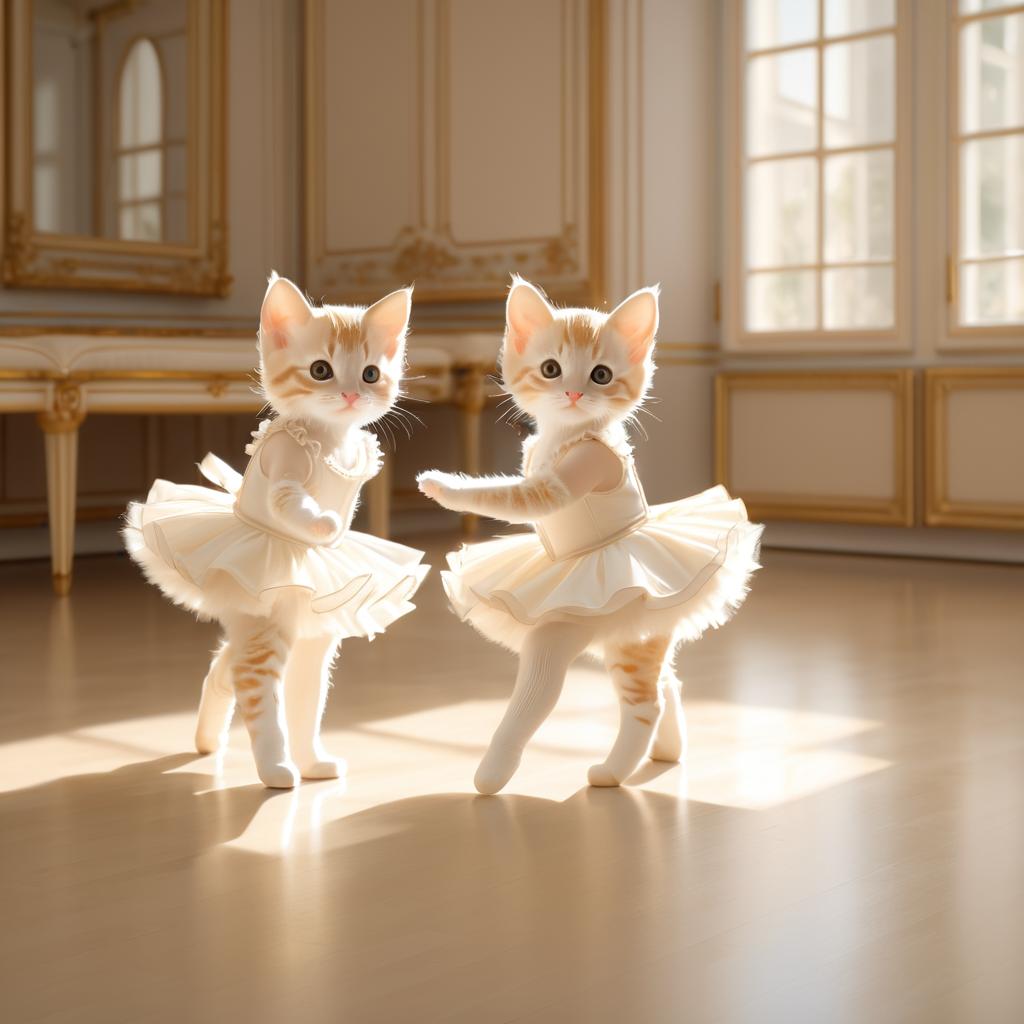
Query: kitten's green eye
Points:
[321, 370]
[371, 374]
[550, 369]
[600, 374]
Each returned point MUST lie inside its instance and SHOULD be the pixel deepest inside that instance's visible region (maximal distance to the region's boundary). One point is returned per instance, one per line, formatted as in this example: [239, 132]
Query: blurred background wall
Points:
[594, 146]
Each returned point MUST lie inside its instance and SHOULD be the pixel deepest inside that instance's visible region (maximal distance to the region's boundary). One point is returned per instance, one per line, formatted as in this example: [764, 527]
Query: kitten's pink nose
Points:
[574, 396]
[351, 397]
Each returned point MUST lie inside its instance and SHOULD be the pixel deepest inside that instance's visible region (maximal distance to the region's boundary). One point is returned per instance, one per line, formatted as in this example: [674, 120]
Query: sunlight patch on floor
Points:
[740, 756]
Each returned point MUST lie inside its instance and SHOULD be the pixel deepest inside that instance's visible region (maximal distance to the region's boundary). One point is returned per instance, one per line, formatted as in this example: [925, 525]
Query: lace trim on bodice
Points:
[368, 461]
[268, 428]
[618, 445]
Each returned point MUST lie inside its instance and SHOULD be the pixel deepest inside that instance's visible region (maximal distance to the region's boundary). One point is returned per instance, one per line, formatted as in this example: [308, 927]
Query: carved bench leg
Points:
[60, 425]
[379, 501]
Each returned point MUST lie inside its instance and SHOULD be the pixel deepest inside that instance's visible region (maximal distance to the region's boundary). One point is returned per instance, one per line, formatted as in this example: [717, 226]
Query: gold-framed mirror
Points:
[114, 139]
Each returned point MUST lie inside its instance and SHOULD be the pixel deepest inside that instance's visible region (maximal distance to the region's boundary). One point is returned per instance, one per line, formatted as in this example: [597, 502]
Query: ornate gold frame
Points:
[939, 509]
[899, 511]
[419, 254]
[35, 259]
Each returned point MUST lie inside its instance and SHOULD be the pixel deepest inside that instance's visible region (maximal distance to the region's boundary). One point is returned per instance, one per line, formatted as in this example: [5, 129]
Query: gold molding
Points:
[446, 270]
[66, 409]
[36, 259]
[897, 511]
[939, 510]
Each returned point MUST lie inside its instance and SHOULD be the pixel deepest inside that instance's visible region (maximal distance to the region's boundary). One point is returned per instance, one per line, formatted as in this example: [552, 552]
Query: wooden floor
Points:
[845, 844]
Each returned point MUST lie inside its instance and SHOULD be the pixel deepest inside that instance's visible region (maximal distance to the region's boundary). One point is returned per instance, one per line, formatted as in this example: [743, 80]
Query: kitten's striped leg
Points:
[546, 655]
[635, 668]
[670, 734]
[217, 703]
[259, 653]
[306, 684]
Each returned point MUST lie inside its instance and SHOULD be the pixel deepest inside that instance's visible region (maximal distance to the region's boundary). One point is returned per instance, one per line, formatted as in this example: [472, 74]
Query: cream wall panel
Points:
[473, 149]
[508, 159]
[803, 442]
[371, 161]
[678, 46]
[974, 458]
[986, 446]
[833, 446]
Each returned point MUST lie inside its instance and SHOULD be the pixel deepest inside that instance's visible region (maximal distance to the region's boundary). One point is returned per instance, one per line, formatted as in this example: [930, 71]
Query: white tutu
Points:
[190, 542]
[684, 568]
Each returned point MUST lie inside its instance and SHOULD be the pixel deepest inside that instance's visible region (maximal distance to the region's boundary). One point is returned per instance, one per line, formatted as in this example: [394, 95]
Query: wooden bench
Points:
[63, 377]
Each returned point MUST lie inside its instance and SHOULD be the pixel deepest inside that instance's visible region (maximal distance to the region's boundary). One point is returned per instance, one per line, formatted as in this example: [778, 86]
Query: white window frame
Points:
[965, 337]
[735, 336]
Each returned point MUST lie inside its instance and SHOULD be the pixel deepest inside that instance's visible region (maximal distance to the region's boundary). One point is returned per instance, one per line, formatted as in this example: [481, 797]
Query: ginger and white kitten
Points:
[575, 372]
[332, 371]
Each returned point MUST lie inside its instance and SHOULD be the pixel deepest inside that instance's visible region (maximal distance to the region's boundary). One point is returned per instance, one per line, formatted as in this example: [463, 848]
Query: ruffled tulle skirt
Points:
[685, 569]
[190, 543]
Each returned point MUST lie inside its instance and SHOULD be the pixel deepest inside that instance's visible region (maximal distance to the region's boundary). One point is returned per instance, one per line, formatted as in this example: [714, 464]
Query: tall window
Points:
[140, 145]
[819, 146]
[988, 276]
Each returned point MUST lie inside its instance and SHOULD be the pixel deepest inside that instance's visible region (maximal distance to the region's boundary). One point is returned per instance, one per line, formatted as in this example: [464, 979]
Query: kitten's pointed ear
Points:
[284, 308]
[636, 321]
[387, 320]
[526, 312]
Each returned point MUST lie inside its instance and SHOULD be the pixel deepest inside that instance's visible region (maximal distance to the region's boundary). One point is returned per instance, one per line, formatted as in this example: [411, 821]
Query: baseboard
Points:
[914, 542]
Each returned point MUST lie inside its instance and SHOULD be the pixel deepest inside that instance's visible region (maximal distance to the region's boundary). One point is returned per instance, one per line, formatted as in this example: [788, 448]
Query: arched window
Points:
[140, 145]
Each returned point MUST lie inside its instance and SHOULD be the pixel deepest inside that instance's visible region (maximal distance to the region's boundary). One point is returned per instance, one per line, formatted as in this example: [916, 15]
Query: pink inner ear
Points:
[638, 350]
[274, 325]
[518, 339]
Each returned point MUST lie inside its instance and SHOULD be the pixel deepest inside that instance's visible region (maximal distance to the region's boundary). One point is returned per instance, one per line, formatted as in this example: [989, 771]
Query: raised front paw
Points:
[439, 487]
[326, 526]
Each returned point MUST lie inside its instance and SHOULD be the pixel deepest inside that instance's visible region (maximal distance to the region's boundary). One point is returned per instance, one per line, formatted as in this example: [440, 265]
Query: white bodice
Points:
[332, 485]
[599, 517]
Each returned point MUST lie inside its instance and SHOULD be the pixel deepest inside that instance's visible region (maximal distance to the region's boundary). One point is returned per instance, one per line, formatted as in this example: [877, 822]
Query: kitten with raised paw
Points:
[270, 555]
[602, 571]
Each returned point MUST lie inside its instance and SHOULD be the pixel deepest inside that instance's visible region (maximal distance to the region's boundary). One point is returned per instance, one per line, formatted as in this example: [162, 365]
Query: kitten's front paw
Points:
[437, 486]
[327, 526]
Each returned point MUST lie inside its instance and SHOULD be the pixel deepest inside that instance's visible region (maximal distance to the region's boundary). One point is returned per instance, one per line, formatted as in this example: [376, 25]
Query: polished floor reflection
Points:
[844, 844]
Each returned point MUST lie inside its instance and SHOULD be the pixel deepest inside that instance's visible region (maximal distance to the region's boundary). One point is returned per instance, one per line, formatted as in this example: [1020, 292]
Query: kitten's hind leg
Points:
[670, 733]
[259, 651]
[217, 703]
[546, 655]
[307, 681]
[635, 668]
